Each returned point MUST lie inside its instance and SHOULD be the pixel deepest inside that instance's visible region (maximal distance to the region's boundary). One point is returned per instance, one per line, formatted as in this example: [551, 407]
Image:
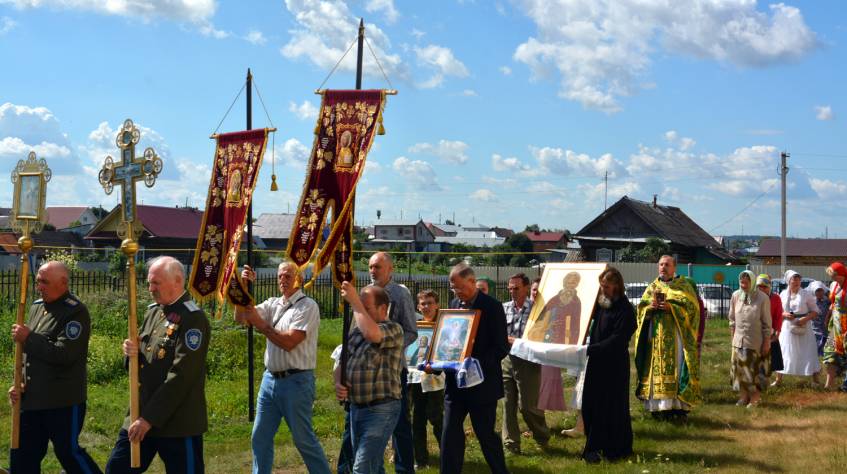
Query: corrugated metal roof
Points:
[62, 216]
[274, 226]
[476, 242]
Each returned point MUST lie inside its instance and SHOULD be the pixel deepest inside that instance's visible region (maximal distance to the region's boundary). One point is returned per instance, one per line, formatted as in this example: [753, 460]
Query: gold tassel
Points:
[317, 128]
[308, 284]
[274, 187]
[381, 130]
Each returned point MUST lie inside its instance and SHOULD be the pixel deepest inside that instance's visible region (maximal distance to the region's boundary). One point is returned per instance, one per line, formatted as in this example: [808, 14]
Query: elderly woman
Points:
[750, 322]
[833, 353]
[799, 348]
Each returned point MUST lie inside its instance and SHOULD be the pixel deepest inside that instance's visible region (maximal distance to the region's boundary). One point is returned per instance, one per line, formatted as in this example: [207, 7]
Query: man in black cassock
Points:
[605, 397]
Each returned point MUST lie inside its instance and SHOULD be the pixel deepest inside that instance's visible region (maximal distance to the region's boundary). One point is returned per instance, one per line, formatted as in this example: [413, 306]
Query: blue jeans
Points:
[290, 398]
[370, 429]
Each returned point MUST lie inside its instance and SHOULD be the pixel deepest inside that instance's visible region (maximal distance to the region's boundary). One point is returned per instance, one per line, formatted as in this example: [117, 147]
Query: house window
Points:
[604, 255]
[407, 231]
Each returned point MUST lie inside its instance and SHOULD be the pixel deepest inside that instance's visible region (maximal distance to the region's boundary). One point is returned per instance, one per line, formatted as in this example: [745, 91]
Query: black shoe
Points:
[592, 457]
[513, 449]
[842, 388]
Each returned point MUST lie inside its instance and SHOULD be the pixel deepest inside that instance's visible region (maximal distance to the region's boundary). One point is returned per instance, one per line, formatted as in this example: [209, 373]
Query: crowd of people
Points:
[786, 334]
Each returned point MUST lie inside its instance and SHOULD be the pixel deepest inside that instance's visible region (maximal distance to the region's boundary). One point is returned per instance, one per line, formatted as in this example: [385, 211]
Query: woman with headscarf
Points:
[799, 348]
[774, 361]
[833, 352]
[750, 323]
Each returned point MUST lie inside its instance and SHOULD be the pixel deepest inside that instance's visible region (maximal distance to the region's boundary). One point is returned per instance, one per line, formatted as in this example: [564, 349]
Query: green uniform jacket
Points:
[55, 354]
[173, 343]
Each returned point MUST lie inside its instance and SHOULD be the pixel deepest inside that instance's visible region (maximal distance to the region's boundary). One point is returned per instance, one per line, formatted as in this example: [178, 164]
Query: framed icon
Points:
[566, 296]
[454, 335]
[30, 178]
[418, 351]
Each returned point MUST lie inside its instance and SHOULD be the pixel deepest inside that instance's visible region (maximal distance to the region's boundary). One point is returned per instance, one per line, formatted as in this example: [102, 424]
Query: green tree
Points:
[653, 248]
[532, 228]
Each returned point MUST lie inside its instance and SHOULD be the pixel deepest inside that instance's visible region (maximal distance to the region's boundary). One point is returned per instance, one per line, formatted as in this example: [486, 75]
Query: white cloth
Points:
[799, 351]
[571, 357]
[298, 312]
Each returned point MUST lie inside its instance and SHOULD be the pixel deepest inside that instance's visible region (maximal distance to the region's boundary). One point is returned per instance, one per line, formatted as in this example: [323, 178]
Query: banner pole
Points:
[251, 409]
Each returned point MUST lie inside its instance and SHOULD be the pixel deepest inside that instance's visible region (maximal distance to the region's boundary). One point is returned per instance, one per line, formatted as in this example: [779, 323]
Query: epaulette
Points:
[38, 301]
[152, 305]
[71, 301]
[191, 305]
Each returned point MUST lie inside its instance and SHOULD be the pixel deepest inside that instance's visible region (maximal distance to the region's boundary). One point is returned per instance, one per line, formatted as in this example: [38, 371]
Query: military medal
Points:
[161, 353]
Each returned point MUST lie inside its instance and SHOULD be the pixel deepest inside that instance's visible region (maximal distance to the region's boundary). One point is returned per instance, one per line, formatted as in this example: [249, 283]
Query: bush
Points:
[105, 360]
[227, 357]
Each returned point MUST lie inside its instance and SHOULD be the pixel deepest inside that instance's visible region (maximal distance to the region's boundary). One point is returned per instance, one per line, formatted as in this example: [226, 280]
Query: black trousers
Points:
[483, 416]
[61, 426]
[180, 455]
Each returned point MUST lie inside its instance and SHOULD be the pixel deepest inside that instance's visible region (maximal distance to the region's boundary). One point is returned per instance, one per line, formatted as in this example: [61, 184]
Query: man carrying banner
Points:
[666, 361]
[171, 346]
[290, 323]
[372, 383]
[54, 398]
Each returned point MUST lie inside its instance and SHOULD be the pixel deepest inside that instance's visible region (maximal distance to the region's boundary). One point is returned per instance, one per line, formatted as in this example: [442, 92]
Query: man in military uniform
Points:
[54, 392]
[172, 345]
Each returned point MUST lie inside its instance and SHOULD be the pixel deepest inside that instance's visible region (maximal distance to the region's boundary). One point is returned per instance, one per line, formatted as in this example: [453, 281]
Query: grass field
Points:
[796, 429]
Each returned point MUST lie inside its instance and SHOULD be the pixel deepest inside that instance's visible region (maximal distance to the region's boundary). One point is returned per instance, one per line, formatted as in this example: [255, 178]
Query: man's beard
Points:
[604, 302]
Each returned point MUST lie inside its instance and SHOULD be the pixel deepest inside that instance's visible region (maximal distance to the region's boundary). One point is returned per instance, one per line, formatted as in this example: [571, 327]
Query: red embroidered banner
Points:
[347, 123]
[238, 157]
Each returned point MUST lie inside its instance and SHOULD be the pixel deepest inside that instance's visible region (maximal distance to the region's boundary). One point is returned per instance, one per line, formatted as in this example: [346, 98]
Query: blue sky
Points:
[509, 112]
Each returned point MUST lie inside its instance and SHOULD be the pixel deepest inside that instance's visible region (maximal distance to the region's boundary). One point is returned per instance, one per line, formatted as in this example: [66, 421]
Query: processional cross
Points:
[126, 173]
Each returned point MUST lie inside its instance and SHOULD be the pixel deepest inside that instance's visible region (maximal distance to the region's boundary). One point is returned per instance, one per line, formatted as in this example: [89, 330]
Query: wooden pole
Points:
[25, 244]
[130, 247]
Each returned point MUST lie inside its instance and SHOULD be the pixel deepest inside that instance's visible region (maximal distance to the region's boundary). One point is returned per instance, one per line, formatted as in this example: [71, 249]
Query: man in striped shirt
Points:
[290, 323]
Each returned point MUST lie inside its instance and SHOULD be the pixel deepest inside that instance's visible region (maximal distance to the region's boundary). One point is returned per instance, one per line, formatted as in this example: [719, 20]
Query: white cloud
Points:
[24, 129]
[386, 7]
[568, 162]
[372, 166]
[483, 195]
[508, 164]
[206, 28]
[452, 151]
[684, 143]
[304, 111]
[597, 192]
[6, 25]
[442, 61]
[256, 37]
[469, 93]
[101, 143]
[194, 11]
[294, 153]
[418, 34]
[827, 189]
[824, 112]
[601, 49]
[326, 28]
[418, 173]
[505, 70]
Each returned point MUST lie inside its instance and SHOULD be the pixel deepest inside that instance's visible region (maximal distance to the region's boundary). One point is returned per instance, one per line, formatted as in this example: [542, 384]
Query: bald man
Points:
[54, 392]
[171, 347]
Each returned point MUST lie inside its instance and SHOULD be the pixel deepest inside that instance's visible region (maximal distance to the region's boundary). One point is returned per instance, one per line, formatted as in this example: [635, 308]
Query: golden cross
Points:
[129, 170]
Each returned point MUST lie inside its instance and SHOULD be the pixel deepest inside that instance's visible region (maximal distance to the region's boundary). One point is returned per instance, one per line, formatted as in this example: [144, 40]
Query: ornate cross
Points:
[128, 171]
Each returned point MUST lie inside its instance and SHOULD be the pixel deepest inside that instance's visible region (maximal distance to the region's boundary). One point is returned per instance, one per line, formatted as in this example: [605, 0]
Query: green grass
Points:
[797, 428]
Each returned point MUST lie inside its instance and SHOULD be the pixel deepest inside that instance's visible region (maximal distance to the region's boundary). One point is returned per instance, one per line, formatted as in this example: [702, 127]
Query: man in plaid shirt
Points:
[374, 364]
[521, 378]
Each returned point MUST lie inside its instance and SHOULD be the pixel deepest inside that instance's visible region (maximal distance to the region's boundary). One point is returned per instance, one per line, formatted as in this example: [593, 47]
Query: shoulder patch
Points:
[73, 329]
[152, 305]
[193, 338]
[192, 306]
[72, 302]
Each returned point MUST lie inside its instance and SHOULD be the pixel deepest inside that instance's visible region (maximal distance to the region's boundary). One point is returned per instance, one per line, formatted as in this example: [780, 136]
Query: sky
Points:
[509, 112]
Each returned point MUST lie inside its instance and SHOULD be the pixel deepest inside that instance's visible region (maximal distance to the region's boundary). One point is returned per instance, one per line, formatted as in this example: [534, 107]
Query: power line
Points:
[744, 209]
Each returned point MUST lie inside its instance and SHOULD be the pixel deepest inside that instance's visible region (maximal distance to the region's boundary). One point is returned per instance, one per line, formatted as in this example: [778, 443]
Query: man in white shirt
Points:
[290, 323]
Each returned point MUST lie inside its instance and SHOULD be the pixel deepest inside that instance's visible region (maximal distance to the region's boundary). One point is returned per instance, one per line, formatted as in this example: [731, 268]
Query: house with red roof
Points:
[542, 241]
[166, 231]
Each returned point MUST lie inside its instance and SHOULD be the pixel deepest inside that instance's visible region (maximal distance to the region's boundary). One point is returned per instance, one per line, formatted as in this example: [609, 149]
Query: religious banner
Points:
[347, 123]
[238, 157]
